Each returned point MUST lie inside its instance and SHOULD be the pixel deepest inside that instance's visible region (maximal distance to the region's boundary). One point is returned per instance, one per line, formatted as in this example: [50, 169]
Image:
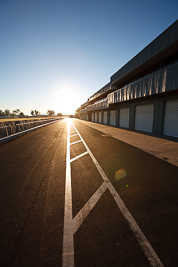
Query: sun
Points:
[68, 101]
[67, 98]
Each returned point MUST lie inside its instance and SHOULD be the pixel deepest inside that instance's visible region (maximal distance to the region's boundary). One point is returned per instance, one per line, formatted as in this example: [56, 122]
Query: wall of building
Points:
[131, 109]
[143, 94]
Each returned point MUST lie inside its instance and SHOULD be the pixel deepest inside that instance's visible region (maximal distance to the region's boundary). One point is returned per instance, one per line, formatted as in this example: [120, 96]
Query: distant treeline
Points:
[17, 113]
[7, 113]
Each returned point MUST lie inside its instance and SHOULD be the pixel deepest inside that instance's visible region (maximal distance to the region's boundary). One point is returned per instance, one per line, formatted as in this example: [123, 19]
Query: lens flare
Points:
[120, 174]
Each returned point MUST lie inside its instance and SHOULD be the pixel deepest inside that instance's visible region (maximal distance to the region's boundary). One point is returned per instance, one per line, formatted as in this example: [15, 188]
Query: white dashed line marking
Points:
[75, 142]
[71, 225]
[79, 156]
[73, 135]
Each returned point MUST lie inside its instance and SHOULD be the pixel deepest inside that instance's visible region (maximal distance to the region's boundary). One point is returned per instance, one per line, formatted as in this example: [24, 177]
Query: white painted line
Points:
[145, 245]
[80, 217]
[76, 142]
[105, 178]
[79, 156]
[73, 135]
[68, 242]
[142, 240]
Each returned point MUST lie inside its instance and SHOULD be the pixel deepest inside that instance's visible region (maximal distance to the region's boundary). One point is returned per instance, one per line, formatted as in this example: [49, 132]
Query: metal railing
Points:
[17, 127]
[155, 83]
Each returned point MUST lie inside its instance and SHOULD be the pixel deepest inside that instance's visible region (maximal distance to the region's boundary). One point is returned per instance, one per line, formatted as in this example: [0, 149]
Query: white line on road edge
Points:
[145, 245]
[142, 240]
[68, 242]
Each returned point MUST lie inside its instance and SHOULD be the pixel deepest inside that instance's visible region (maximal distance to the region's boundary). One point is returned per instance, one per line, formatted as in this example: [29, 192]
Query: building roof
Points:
[165, 44]
[159, 49]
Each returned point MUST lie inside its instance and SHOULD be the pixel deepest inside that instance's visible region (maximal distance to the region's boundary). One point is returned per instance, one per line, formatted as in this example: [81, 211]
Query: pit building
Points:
[143, 94]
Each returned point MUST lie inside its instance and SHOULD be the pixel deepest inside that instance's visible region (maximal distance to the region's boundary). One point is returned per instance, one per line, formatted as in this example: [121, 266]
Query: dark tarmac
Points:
[32, 180]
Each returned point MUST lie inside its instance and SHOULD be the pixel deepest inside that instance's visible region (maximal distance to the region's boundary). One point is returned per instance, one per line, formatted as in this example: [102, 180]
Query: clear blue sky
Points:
[55, 54]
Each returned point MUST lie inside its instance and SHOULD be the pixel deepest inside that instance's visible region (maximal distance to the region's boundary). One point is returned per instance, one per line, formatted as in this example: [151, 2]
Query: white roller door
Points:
[93, 116]
[113, 117]
[124, 117]
[144, 118]
[105, 117]
[84, 116]
[100, 117]
[171, 118]
[96, 119]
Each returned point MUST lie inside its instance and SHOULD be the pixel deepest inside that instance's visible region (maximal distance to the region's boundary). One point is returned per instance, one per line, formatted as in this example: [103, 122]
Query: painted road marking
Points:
[79, 156]
[68, 240]
[75, 223]
[142, 240]
[73, 135]
[75, 142]
[80, 217]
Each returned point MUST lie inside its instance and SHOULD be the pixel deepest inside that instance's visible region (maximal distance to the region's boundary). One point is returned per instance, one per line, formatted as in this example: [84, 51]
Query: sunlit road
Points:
[73, 196]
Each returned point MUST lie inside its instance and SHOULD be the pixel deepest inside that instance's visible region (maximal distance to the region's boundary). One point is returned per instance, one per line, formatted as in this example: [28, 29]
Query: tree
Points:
[59, 114]
[21, 114]
[7, 112]
[36, 112]
[50, 112]
[2, 113]
[32, 112]
[16, 112]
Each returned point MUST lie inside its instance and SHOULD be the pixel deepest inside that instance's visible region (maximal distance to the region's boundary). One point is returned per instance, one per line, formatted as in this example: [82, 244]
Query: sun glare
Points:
[67, 99]
[120, 174]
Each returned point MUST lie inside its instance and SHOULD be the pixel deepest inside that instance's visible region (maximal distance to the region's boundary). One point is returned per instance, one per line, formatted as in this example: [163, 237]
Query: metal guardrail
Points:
[24, 128]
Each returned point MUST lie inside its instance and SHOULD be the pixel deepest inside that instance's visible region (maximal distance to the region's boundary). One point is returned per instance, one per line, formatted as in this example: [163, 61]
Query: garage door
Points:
[144, 118]
[124, 117]
[105, 117]
[171, 118]
[96, 117]
[100, 117]
[113, 117]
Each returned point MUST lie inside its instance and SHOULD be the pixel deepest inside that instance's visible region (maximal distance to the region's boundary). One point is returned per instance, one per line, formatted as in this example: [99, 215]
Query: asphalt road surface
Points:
[74, 196]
